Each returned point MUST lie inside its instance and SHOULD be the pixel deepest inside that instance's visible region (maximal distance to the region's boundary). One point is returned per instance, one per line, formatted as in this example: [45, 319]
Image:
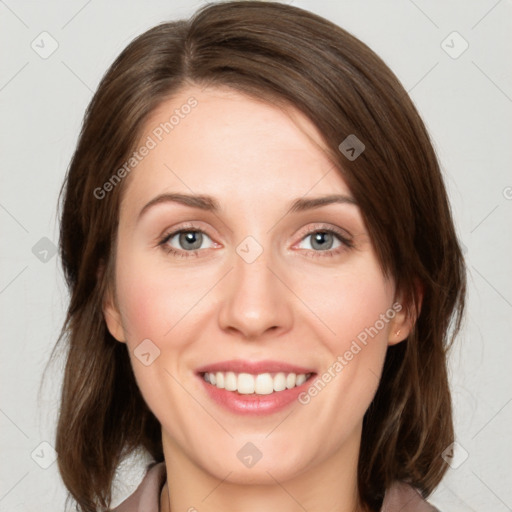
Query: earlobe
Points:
[113, 318]
[397, 335]
[400, 329]
[405, 319]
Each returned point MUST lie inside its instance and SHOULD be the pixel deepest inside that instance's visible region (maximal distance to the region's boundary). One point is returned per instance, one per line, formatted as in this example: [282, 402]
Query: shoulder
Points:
[405, 498]
[146, 497]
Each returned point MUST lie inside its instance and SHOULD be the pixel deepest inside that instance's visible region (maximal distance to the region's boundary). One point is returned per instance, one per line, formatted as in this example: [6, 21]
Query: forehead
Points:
[230, 146]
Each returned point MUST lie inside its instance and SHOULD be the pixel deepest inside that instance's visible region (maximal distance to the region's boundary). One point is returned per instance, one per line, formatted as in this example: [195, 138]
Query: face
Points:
[241, 275]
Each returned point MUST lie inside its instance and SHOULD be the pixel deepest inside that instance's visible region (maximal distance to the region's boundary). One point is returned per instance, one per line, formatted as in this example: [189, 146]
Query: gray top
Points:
[400, 497]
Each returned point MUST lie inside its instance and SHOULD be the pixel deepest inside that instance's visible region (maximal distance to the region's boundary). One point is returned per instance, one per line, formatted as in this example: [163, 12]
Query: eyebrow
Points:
[208, 203]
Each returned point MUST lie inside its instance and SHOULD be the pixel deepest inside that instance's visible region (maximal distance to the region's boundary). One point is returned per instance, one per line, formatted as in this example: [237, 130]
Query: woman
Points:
[294, 356]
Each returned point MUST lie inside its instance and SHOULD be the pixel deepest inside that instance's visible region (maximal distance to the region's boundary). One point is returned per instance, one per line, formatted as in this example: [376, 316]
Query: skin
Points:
[294, 303]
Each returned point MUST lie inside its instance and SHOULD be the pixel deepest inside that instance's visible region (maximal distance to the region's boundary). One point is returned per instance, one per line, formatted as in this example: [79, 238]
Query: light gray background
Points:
[466, 103]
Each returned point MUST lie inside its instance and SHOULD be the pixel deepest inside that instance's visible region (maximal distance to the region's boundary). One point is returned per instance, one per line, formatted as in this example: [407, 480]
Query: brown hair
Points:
[278, 53]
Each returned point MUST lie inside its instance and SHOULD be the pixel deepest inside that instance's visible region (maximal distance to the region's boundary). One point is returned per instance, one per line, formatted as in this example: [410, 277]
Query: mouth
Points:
[255, 378]
[259, 384]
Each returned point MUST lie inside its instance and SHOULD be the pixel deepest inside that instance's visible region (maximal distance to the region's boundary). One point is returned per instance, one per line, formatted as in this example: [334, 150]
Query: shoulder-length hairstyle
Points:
[278, 53]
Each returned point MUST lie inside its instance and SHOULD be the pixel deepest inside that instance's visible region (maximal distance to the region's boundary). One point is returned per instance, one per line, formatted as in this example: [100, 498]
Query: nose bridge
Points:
[254, 298]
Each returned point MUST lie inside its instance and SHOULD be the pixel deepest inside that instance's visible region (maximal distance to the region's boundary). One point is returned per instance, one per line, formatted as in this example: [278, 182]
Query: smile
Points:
[260, 384]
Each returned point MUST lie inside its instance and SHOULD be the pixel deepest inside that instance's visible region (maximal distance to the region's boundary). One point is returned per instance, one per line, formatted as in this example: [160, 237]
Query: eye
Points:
[322, 240]
[186, 241]
[325, 242]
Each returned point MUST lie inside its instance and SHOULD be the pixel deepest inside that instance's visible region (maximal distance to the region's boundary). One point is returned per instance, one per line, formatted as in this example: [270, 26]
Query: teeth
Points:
[300, 380]
[261, 384]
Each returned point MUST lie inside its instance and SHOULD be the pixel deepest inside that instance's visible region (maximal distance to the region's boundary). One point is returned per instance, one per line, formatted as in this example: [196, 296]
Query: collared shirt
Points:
[400, 497]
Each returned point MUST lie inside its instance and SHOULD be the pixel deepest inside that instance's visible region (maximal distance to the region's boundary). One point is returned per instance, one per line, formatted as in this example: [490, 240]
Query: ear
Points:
[111, 311]
[405, 317]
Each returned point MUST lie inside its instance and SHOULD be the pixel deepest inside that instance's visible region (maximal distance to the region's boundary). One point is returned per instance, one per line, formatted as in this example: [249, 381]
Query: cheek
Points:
[145, 311]
[153, 307]
[349, 303]
[152, 301]
[354, 311]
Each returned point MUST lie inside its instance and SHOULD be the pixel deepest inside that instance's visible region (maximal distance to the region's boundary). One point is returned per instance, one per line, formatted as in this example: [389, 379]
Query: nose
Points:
[256, 301]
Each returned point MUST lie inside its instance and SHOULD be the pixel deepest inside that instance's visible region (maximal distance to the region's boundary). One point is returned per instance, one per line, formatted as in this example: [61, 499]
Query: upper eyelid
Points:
[188, 226]
[323, 226]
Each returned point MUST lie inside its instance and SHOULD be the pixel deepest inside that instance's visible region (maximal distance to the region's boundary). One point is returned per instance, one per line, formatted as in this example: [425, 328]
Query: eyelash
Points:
[347, 243]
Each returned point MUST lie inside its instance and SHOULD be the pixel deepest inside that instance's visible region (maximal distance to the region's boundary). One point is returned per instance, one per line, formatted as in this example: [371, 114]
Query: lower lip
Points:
[254, 404]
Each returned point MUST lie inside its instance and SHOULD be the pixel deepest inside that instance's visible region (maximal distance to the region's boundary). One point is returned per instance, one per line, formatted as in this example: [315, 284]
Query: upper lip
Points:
[253, 367]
